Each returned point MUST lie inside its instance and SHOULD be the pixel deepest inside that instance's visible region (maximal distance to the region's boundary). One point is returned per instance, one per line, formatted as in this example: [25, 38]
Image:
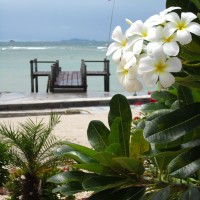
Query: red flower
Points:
[136, 118]
[149, 92]
[138, 103]
[152, 100]
[65, 169]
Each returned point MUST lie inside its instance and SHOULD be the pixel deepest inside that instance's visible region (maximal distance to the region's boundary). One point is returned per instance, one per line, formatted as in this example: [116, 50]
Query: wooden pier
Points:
[68, 81]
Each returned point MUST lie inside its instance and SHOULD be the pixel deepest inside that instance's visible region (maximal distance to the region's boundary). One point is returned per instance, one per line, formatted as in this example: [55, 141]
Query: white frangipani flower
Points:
[160, 19]
[162, 37]
[158, 67]
[118, 46]
[183, 26]
[137, 33]
[128, 77]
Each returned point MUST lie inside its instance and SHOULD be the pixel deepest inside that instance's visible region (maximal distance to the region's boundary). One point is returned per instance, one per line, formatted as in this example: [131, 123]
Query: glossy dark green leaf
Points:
[100, 183]
[115, 131]
[84, 150]
[96, 168]
[162, 194]
[138, 145]
[132, 165]
[192, 193]
[115, 149]
[173, 125]
[120, 108]
[65, 177]
[163, 96]
[151, 107]
[163, 158]
[71, 188]
[80, 157]
[128, 193]
[185, 164]
[158, 113]
[98, 135]
[106, 159]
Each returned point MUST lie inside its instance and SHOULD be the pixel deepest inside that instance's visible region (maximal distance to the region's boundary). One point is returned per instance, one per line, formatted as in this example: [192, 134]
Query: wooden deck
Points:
[67, 81]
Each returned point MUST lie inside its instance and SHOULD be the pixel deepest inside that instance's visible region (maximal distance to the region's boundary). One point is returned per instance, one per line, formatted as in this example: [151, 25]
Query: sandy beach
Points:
[72, 126]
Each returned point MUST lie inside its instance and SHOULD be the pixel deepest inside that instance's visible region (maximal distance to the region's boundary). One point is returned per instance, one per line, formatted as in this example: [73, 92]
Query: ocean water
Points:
[15, 63]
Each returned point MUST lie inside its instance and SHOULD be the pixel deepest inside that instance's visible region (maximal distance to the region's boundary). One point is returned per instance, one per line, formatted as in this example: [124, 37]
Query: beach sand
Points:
[72, 127]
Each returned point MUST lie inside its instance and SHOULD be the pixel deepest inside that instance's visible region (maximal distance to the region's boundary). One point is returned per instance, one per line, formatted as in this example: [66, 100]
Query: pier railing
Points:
[105, 72]
[35, 72]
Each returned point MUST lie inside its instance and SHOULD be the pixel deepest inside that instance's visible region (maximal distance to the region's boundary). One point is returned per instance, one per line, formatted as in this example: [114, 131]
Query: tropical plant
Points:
[4, 160]
[158, 158]
[31, 146]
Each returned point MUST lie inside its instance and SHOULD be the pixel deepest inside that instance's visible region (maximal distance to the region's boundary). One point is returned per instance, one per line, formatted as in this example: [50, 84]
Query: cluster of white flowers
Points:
[149, 49]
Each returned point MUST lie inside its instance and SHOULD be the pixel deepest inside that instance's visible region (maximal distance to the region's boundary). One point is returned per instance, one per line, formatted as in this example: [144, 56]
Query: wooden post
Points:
[36, 78]
[107, 76]
[32, 78]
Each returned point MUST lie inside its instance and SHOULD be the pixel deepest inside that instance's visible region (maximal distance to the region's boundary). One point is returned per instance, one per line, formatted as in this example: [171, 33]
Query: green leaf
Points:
[96, 168]
[163, 96]
[162, 194]
[163, 158]
[79, 157]
[138, 145]
[66, 177]
[82, 149]
[115, 149]
[191, 194]
[98, 135]
[132, 165]
[100, 183]
[151, 107]
[120, 108]
[185, 164]
[173, 125]
[71, 188]
[128, 193]
[114, 136]
[106, 159]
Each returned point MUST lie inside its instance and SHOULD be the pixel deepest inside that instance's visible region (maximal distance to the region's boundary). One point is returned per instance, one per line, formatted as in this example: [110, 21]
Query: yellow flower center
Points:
[144, 34]
[181, 26]
[124, 43]
[169, 39]
[160, 67]
[125, 72]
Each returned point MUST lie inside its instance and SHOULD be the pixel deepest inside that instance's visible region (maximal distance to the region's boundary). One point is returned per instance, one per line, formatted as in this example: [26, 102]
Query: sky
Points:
[56, 20]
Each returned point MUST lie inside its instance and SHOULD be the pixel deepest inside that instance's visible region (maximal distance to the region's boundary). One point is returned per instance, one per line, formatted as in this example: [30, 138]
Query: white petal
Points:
[137, 27]
[166, 79]
[188, 17]
[117, 56]
[150, 78]
[137, 47]
[118, 35]
[159, 54]
[172, 17]
[169, 28]
[183, 36]
[146, 64]
[164, 12]
[171, 48]
[155, 18]
[151, 46]
[194, 28]
[128, 21]
[113, 47]
[130, 63]
[173, 65]
[131, 85]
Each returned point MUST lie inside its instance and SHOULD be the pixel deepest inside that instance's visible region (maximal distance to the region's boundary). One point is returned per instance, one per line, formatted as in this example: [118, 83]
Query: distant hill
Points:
[83, 41]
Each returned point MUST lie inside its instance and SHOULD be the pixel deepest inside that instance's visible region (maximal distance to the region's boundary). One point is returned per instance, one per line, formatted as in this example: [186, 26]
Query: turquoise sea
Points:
[15, 63]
